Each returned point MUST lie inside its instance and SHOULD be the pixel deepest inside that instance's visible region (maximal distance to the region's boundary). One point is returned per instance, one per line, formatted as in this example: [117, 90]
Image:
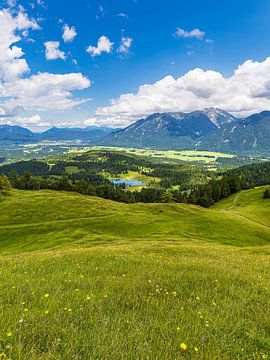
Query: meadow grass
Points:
[249, 203]
[86, 278]
[184, 155]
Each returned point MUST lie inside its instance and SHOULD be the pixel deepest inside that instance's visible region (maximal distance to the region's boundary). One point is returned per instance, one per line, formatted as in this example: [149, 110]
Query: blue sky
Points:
[163, 38]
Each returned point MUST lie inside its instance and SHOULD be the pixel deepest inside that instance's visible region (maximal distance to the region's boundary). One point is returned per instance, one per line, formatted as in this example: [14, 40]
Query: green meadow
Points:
[184, 155]
[87, 278]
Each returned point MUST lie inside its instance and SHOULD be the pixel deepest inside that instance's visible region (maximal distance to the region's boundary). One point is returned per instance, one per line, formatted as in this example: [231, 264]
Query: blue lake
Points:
[128, 182]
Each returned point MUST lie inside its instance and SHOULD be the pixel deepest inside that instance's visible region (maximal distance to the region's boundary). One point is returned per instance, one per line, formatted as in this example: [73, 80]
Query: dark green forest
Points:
[93, 172]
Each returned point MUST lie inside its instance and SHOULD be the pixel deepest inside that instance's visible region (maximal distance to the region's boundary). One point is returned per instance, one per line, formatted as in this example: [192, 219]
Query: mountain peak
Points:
[218, 117]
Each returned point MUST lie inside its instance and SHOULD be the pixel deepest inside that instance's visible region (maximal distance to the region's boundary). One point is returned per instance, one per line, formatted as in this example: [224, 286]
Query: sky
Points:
[109, 63]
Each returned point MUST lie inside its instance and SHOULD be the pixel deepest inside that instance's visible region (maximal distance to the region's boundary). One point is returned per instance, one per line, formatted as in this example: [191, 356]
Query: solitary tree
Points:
[167, 197]
[5, 185]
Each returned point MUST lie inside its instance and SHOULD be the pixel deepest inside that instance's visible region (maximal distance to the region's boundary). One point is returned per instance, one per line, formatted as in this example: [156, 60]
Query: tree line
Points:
[205, 195]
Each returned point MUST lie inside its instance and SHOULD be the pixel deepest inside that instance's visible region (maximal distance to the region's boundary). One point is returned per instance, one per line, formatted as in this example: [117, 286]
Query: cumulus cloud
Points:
[125, 45]
[185, 34]
[53, 52]
[246, 91]
[45, 91]
[28, 121]
[69, 33]
[104, 45]
[20, 93]
[113, 121]
[12, 30]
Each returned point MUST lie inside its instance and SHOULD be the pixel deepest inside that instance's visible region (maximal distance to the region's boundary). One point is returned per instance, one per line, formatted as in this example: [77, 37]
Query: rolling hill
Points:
[80, 275]
[89, 220]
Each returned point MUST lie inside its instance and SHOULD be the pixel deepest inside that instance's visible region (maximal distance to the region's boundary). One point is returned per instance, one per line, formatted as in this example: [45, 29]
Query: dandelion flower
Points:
[183, 346]
[46, 295]
[9, 334]
[196, 349]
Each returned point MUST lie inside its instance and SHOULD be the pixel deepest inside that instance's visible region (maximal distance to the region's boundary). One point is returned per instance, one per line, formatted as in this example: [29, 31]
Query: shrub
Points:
[5, 186]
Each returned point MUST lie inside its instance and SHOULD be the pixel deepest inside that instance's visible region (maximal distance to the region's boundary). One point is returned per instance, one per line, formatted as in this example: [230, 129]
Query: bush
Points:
[5, 186]
[266, 194]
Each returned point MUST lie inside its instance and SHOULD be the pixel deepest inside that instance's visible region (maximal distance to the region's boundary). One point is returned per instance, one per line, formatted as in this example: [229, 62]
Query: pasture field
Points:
[87, 278]
[185, 155]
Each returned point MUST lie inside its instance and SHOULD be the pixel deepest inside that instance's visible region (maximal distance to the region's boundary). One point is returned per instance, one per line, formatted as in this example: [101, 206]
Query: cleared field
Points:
[186, 155]
[137, 176]
[86, 278]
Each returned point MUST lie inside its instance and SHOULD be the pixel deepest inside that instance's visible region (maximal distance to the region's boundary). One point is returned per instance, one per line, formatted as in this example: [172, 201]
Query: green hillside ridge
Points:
[248, 203]
[32, 220]
[86, 278]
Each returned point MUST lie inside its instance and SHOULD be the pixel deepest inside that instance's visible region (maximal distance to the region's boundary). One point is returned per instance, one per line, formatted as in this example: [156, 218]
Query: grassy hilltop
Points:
[87, 278]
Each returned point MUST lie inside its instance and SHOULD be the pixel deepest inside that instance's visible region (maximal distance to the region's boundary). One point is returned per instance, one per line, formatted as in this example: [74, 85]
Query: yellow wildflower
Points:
[183, 346]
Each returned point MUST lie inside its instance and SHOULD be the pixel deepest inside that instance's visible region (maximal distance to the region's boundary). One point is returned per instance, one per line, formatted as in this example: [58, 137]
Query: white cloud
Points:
[69, 33]
[2, 113]
[126, 43]
[195, 33]
[93, 121]
[52, 51]
[11, 3]
[20, 93]
[123, 15]
[103, 45]
[45, 92]
[114, 121]
[12, 30]
[30, 120]
[246, 91]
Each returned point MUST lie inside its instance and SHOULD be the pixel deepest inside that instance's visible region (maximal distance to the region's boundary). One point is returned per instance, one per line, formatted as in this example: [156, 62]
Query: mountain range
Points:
[209, 129]
[20, 134]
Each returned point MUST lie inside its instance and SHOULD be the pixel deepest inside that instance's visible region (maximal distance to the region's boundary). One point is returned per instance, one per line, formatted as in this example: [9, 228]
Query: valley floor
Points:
[86, 278]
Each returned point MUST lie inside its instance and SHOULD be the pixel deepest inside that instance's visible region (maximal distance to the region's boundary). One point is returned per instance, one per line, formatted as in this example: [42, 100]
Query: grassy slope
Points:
[45, 219]
[131, 281]
[248, 203]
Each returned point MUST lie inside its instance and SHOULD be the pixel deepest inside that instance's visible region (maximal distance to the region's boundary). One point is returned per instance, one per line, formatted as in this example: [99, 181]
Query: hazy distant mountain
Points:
[20, 134]
[15, 133]
[170, 130]
[89, 133]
